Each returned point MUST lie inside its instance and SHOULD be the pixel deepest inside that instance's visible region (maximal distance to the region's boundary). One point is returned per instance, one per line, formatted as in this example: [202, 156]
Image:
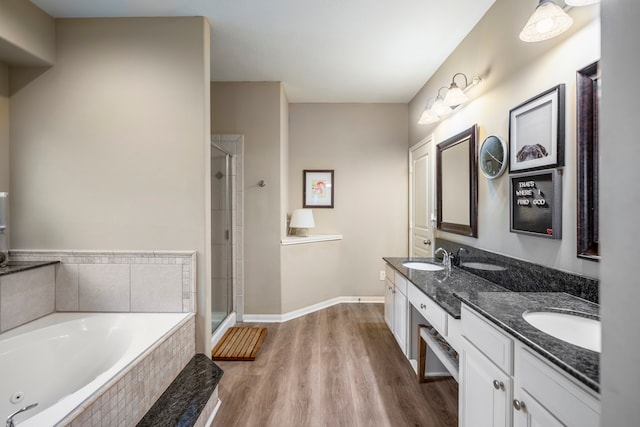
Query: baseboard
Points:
[227, 323]
[278, 318]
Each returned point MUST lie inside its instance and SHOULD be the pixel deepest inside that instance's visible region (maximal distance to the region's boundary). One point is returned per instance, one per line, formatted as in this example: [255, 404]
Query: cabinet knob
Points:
[422, 306]
[518, 404]
[498, 385]
[427, 242]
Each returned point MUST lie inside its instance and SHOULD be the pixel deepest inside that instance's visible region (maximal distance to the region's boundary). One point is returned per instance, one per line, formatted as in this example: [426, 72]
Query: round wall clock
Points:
[493, 157]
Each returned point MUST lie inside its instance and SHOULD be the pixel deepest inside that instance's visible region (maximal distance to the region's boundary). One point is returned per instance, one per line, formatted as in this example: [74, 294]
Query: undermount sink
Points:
[574, 329]
[424, 266]
[483, 266]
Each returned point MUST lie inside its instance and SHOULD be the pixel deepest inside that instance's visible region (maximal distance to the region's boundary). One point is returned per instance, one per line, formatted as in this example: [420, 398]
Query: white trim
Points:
[213, 414]
[297, 240]
[227, 323]
[278, 318]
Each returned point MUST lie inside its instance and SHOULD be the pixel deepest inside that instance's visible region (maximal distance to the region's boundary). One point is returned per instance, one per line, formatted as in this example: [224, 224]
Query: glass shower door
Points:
[221, 228]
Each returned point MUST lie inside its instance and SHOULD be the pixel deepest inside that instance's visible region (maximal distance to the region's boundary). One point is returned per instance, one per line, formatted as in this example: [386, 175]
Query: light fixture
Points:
[580, 2]
[455, 96]
[302, 221]
[439, 108]
[546, 22]
[428, 116]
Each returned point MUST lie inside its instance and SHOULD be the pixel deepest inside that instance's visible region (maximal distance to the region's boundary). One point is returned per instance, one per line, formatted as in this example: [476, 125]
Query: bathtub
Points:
[61, 360]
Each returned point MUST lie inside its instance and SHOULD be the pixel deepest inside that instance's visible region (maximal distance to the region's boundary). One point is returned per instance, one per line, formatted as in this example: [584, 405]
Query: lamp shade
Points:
[428, 117]
[302, 218]
[546, 22]
[439, 108]
[455, 96]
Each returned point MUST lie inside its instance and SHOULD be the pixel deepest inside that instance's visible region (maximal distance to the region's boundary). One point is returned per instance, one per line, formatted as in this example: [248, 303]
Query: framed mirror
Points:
[587, 97]
[492, 157]
[457, 184]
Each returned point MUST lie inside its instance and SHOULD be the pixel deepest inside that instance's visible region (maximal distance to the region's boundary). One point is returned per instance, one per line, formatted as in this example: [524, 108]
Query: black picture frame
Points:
[318, 188]
[536, 203]
[537, 132]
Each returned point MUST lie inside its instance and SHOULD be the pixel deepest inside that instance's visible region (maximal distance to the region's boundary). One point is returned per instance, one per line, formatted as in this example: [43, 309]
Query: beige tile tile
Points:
[156, 288]
[103, 287]
[26, 296]
[67, 287]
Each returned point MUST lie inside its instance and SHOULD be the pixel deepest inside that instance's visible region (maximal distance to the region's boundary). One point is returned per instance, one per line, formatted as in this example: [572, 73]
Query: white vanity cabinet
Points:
[400, 312]
[503, 383]
[388, 297]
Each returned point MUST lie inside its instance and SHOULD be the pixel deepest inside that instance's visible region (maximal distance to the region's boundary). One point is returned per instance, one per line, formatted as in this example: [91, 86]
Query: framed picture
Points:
[536, 132]
[317, 189]
[536, 204]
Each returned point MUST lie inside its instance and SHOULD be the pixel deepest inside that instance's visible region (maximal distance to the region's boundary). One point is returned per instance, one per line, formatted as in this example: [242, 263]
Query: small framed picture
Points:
[536, 132]
[317, 188]
[536, 204]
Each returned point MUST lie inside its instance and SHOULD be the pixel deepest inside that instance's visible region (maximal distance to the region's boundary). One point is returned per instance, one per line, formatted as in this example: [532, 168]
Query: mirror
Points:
[493, 157]
[457, 184]
[587, 96]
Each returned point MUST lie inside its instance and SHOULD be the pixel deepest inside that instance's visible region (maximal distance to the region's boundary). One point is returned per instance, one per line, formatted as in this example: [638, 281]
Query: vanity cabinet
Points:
[503, 383]
[388, 296]
[396, 312]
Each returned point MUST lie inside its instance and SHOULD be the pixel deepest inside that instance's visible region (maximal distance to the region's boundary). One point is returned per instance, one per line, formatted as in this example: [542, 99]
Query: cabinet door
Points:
[400, 319]
[532, 414]
[485, 391]
[388, 304]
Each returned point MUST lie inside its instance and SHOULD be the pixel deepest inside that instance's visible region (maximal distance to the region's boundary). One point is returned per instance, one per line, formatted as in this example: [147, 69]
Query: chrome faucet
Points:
[456, 258]
[10, 417]
[446, 259]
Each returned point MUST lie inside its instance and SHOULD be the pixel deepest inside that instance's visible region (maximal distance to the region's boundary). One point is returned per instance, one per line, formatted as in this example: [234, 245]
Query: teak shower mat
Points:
[239, 344]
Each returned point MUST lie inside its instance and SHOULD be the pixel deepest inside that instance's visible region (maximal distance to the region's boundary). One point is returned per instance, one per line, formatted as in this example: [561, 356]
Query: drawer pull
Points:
[498, 385]
[423, 307]
[518, 405]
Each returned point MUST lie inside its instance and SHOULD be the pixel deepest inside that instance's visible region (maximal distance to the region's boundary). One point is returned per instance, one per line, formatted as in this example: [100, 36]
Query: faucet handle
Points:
[19, 411]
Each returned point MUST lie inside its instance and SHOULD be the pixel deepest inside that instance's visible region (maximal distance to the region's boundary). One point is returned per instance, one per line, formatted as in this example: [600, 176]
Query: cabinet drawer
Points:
[428, 309]
[497, 346]
[389, 272]
[567, 401]
[401, 283]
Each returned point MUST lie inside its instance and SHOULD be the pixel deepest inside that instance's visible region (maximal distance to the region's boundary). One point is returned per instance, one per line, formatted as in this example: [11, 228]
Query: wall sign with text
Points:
[536, 204]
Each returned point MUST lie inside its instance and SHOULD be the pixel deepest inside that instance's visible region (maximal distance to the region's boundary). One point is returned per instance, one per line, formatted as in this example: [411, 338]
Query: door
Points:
[388, 303]
[531, 414]
[420, 200]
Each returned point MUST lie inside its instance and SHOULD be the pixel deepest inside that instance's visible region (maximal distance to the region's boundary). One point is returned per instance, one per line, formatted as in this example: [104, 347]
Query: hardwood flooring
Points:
[337, 367]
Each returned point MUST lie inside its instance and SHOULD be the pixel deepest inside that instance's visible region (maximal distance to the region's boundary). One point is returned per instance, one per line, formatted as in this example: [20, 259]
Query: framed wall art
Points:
[536, 132]
[536, 204]
[317, 188]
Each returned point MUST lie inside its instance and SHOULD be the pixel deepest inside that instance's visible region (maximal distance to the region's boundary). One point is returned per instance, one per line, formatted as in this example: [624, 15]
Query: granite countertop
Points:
[504, 308]
[18, 266]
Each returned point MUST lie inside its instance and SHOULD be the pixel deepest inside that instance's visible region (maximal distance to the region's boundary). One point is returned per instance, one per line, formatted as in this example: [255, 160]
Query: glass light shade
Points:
[439, 108]
[455, 96]
[428, 117]
[302, 218]
[546, 22]
[580, 2]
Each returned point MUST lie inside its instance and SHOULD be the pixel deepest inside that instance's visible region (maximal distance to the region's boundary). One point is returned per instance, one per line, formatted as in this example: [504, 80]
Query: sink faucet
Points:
[455, 259]
[10, 417]
[446, 259]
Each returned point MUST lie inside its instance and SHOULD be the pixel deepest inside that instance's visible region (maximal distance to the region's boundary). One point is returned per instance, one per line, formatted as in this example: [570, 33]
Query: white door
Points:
[420, 200]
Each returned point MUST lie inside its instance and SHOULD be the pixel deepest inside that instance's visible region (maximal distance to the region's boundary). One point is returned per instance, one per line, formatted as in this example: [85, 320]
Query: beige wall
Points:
[513, 72]
[620, 228]
[254, 110]
[108, 147]
[27, 34]
[4, 127]
[366, 145]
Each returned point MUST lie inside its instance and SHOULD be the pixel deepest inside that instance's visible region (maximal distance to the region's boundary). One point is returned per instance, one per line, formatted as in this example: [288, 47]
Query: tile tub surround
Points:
[524, 276]
[26, 295]
[125, 399]
[504, 308]
[186, 401]
[120, 281]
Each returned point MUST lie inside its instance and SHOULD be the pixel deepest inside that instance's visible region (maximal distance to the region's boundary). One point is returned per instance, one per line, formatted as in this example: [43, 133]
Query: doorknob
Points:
[427, 242]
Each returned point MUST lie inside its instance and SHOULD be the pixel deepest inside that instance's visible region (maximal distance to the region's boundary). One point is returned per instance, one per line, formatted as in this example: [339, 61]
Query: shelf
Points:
[297, 240]
[442, 350]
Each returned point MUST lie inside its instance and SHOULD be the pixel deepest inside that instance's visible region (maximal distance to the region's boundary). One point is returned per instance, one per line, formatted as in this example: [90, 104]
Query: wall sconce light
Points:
[444, 105]
[546, 22]
[302, 221]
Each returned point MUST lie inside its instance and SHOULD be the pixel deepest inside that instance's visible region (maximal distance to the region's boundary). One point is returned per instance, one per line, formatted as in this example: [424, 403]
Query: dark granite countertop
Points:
[504, 308]
[186, 397]
[18, 266]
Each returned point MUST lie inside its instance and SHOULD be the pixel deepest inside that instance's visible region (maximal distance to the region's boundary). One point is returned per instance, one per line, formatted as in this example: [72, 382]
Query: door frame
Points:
[432, 151]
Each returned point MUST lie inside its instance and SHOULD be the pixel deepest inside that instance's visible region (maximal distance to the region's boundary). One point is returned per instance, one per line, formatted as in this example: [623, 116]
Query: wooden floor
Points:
[337, 367]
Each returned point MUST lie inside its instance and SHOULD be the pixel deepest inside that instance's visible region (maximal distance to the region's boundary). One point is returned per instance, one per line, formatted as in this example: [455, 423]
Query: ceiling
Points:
[322, 50]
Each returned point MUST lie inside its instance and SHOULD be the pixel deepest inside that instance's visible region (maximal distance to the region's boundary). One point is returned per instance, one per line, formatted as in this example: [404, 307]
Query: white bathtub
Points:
[60, 360]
